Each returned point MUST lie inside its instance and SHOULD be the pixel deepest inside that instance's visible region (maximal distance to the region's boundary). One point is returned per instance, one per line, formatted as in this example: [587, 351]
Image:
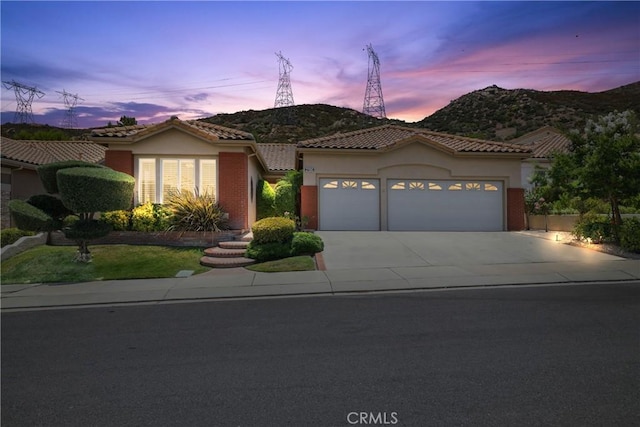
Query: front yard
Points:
[111, 262]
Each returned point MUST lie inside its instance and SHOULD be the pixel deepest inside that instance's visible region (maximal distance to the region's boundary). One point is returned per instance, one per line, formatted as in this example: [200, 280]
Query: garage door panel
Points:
[445, 205]
[349, 204]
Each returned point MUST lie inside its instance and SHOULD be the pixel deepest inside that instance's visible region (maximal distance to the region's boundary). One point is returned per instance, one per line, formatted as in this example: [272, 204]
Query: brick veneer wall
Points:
[233, 188]
[119, 160]
[515, 209]
[309, 205]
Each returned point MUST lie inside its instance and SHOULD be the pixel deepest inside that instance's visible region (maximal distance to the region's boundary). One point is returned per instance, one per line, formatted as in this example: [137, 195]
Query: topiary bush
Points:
[52, 206]
[304, 243]
[192, 211]
[9, 236]
[273, 230]
[95, 189]
[630, 235]
[28, 217]
[265, 200]
[48, 172]
[263, 252]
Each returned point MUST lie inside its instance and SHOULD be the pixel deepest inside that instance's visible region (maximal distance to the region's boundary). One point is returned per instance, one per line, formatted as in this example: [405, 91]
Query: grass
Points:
[296, 263]
[45, 264]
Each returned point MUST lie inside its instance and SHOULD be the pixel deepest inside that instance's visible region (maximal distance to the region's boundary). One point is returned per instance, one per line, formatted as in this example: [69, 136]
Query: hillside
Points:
[500, 114]
[491, 113]
[298, 123]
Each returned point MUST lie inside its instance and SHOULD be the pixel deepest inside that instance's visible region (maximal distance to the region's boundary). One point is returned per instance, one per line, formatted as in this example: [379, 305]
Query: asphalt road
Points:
[566, 355]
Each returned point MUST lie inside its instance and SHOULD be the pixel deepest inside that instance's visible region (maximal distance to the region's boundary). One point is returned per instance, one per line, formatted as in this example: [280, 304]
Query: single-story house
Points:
[178, 154]
[544, 142]
[20, 158]
[399, 178]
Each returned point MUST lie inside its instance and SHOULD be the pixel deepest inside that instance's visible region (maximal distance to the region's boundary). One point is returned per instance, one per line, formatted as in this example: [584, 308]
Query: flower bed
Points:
[163, 238]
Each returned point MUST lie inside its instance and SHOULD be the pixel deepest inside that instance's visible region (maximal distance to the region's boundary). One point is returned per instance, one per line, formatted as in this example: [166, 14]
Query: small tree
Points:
[84, 189]
[127, 121]
[603, 162]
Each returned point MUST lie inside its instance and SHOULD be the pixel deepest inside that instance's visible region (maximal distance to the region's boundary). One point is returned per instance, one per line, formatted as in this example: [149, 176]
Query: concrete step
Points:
[224, 252]
[216, 262]
[236, 244]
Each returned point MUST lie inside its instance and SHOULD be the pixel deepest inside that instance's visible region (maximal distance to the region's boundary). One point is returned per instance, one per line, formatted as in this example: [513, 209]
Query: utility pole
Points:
[70, 101]
[373, 102]
[24, 98]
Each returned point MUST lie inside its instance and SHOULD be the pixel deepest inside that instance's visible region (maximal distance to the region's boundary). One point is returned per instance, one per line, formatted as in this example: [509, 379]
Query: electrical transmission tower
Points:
[24, 97]
[373, 102]
[284, 95]
[70, 120]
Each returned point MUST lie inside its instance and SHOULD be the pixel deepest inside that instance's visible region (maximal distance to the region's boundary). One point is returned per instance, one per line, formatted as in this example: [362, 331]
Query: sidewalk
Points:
[240, 283]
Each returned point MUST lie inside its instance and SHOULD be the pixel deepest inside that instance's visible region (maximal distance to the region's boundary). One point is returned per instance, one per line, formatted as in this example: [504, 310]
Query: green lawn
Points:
[110, 262]
[296, 263]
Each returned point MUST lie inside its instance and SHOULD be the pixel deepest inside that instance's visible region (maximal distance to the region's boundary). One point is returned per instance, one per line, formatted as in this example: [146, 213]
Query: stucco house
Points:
[20, 158]
[399, 178]
[543, 142]
[178, 154]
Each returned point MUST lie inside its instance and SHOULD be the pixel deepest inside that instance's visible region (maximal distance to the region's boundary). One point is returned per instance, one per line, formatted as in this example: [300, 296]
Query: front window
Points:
[159, 178]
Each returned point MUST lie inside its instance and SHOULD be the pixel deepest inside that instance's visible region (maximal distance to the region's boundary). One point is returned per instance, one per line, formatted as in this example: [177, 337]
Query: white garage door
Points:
[445, 205]
[349, 204]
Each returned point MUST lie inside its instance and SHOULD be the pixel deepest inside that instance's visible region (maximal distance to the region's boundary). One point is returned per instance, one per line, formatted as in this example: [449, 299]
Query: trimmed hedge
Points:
[150, 217]
[95, 189]
[28, 217]
[304, 243]
[598, 228]
[273, 229]
[263, 252]
[9, 236]
[48, 172]
[87, 230]
[120, 220]
[265, 201]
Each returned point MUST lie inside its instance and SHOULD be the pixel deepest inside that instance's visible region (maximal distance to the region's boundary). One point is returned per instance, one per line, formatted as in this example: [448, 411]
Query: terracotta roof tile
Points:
[385, 137]
[278, 157]
[544, 142]
[42, 152]
[208, 130]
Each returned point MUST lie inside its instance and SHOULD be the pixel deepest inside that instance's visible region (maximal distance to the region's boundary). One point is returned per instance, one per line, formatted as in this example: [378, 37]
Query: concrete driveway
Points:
[387, 249]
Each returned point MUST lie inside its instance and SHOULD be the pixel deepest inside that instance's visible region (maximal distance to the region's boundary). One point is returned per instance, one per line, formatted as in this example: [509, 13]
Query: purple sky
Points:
[152, 60]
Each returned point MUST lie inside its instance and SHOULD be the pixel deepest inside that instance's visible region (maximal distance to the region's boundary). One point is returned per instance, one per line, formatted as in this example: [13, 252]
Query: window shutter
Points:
[169, 178]
[147, 189]
[208, 177]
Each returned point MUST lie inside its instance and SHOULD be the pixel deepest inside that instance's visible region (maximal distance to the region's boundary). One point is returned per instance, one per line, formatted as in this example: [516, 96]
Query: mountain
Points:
[499, 114]
[491, 113]
[298, 123]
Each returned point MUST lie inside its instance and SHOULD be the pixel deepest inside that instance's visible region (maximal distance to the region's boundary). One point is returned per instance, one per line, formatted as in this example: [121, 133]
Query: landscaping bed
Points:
[159, 238]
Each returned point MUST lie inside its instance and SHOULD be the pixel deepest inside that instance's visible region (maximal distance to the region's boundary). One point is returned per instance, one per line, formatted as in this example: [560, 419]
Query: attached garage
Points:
[398, 178]
[434, 205]
[349, 204]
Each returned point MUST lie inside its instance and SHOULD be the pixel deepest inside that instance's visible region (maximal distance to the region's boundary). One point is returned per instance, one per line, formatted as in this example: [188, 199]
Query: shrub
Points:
[119, 220]
[265, 201]
[150, 217]
[48, 172]
[262, 252]
[11, 235]
[273, 229]
[285, 200]
[630, 234]
[595, 227]
[28, 217]
[95, 189]
[196, 212]
[304, 243]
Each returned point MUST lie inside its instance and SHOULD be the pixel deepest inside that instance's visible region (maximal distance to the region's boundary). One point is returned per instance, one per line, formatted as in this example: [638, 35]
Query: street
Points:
[542, 355]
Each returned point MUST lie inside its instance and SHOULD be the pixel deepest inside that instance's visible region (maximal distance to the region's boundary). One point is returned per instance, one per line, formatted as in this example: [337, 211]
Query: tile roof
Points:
[544, 142]
[278, 157]
[42, 152]
[386, 137]
[207, 130]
